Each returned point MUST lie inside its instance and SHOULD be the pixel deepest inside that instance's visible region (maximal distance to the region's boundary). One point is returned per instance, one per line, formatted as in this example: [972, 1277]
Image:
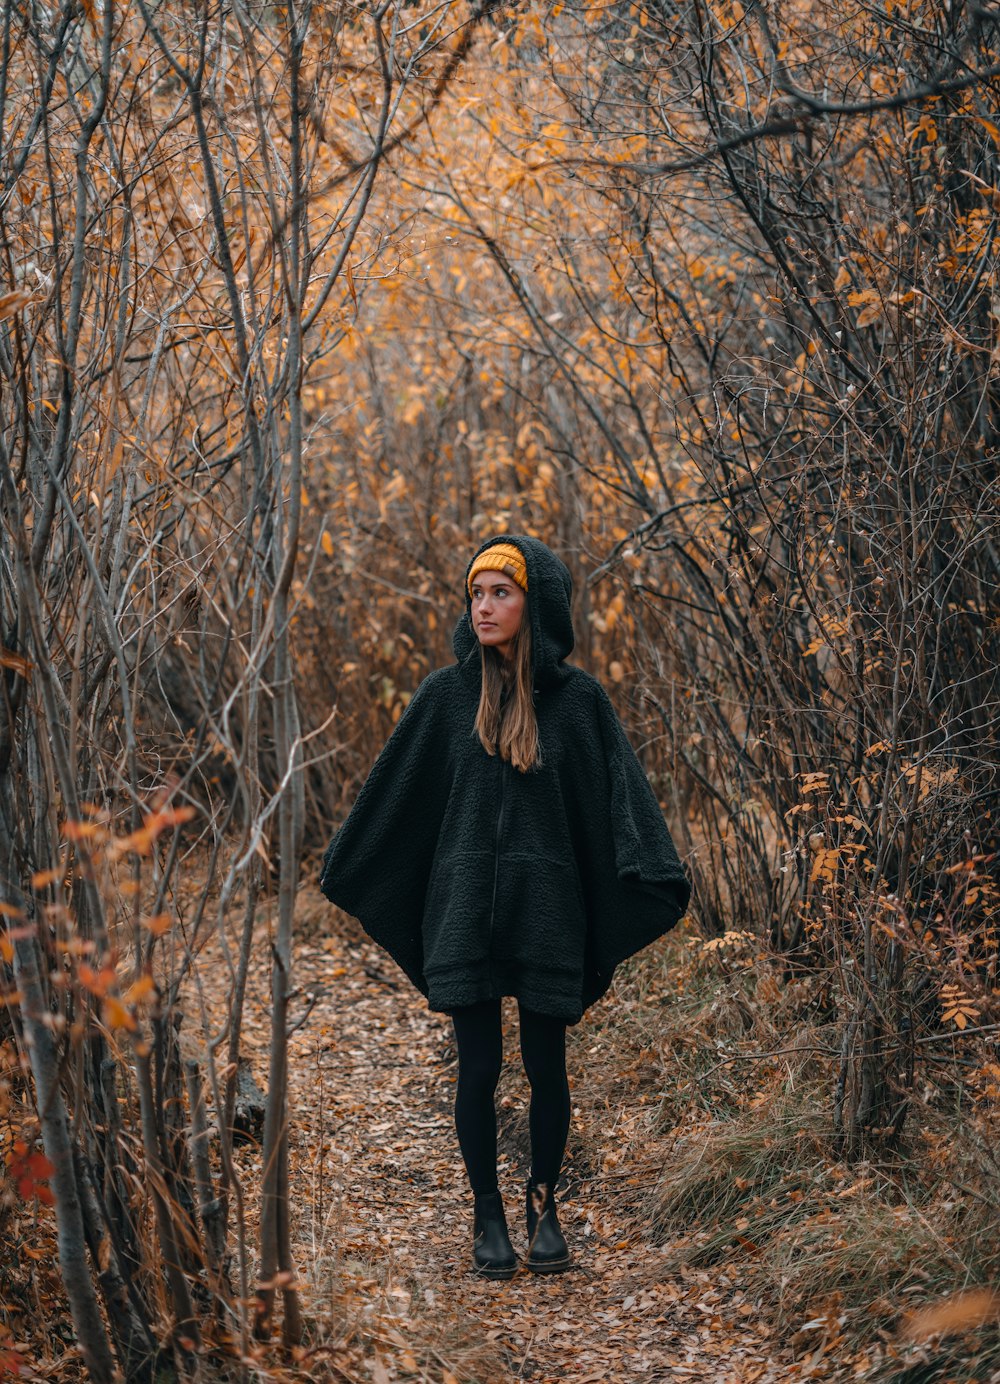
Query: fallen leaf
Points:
[958, 1312]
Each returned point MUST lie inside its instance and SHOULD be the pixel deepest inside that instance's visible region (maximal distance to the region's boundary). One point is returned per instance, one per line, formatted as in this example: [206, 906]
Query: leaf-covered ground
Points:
[382, 1211]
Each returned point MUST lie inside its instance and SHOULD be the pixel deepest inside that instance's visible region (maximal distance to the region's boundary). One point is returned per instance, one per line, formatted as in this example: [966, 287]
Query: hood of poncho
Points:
[550, 591]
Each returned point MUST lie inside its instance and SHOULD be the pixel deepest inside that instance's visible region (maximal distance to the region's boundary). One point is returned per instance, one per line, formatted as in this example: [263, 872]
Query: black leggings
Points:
[479, 1040]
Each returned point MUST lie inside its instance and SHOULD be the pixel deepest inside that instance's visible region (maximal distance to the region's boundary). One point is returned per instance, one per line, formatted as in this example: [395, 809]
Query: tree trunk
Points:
[56, 1141]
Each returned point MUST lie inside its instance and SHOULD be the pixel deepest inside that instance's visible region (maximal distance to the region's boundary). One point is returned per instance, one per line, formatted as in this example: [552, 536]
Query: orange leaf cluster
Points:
[30, 1171]
[154, 824]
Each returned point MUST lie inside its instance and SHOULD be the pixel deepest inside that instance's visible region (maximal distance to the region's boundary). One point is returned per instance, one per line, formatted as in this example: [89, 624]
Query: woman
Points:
[507, 842]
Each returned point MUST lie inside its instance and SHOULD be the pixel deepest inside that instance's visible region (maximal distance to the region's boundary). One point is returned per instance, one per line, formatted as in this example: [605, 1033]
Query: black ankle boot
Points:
[547, 1249]
[491, 1247]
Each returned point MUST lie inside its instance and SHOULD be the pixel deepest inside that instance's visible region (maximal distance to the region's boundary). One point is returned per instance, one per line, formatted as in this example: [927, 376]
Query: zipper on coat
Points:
[496, 867]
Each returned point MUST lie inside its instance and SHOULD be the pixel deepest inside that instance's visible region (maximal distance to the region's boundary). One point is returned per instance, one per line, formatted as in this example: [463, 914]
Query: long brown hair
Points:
[506, 723]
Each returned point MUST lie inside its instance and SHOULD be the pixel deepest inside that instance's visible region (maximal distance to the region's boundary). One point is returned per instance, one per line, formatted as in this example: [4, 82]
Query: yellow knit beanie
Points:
[501, 557]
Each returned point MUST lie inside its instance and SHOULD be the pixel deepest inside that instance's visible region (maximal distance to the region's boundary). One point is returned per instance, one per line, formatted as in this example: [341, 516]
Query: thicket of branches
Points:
[299, 304]
[182, 188]
[748, 380]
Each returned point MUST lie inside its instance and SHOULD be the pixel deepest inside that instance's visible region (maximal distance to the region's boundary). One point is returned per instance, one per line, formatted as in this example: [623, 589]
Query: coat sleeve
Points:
[377, 865]
[651, 890]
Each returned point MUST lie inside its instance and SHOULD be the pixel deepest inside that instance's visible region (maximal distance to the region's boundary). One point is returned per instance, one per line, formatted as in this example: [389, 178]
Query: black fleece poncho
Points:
[480, 880]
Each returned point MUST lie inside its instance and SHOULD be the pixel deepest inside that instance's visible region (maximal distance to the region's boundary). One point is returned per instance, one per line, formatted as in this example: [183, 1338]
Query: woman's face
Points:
[497, 607]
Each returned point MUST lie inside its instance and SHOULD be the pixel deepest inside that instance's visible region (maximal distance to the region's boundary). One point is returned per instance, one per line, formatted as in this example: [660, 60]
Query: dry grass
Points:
[836, 1255]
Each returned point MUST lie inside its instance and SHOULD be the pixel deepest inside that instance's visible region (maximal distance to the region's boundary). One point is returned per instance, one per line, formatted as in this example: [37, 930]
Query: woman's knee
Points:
[479, 1072]
[479, 1042]
[543, 1051]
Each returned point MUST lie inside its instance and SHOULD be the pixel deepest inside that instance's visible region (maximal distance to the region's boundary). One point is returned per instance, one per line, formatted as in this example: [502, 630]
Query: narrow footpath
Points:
[382, 1212]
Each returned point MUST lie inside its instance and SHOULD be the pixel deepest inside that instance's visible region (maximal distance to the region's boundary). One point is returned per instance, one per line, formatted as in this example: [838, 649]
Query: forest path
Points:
[382, 1213]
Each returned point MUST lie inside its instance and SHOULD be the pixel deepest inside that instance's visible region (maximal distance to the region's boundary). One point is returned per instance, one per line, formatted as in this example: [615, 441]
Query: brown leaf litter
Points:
[382, 1213]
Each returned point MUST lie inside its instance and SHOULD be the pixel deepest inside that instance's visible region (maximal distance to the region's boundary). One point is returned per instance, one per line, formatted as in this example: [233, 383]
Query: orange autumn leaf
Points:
[959, 1312]
[154, 824]
[144, 986]
[13, 302]
[79, 946]
[43, 878]
[82, 831]
[171, 817]
[88, 977]
[139, 842]
[117, 1016]
[97, 982]
[10, 1363]
[30, 1170]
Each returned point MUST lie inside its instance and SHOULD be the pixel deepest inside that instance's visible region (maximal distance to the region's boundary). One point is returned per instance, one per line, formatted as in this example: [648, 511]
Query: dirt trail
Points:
[382, 1211]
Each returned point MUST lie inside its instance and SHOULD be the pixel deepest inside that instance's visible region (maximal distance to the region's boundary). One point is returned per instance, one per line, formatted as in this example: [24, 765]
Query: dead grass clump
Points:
[863, 1257]
[837, 1255]
[834, 1254]
[733, 1182]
